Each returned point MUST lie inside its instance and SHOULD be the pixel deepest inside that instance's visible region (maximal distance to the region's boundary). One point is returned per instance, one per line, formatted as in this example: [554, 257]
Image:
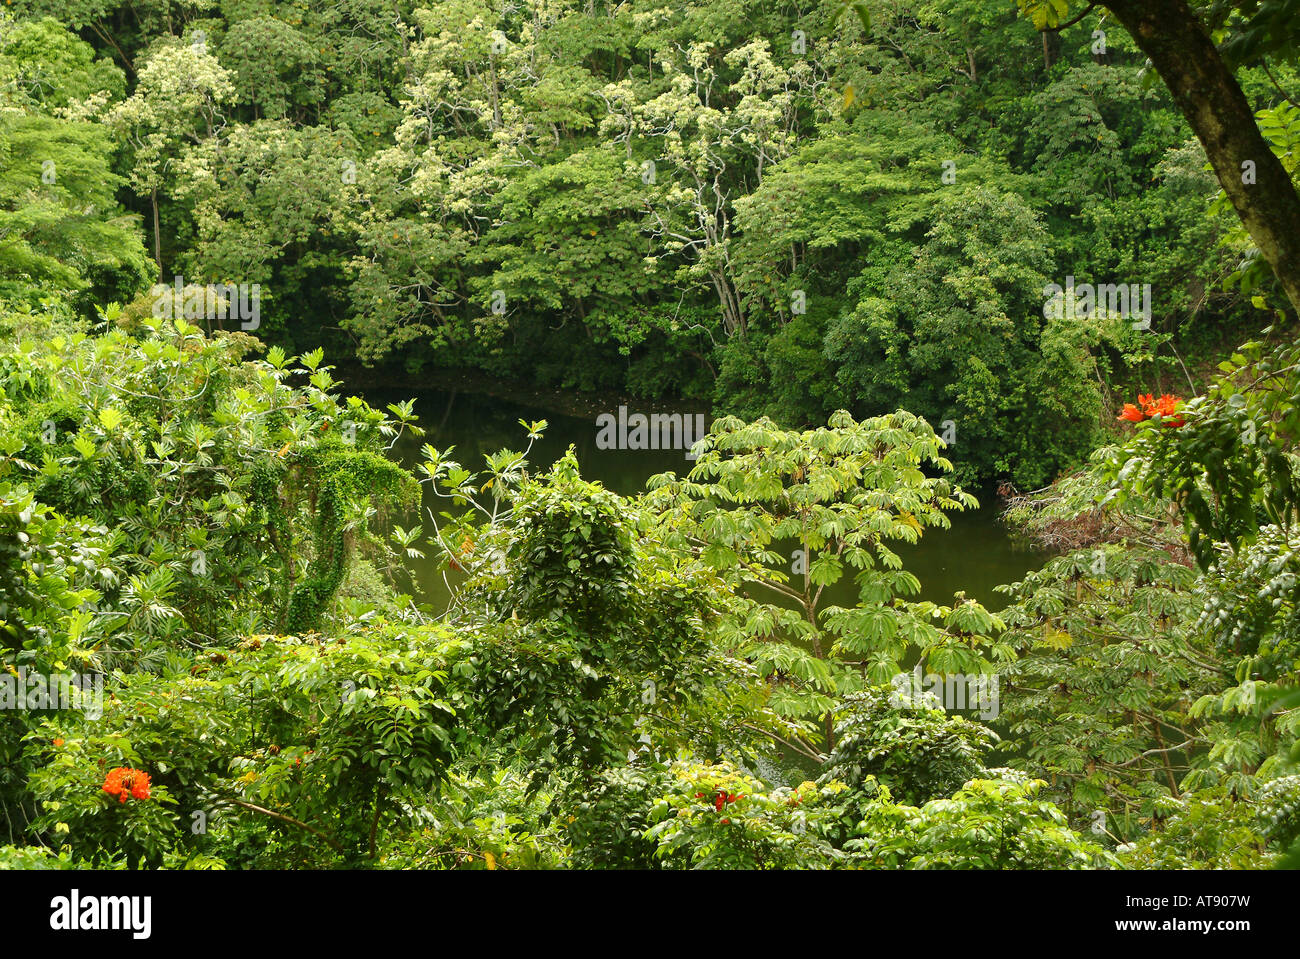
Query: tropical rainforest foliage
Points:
[845, 228]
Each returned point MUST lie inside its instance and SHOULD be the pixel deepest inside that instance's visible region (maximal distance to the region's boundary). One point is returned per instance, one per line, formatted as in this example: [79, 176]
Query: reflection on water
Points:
[973, 556]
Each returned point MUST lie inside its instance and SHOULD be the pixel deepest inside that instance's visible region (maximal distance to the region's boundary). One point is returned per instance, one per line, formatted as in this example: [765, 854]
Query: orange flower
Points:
[1165, 407]
[58, 742]
[125, 781]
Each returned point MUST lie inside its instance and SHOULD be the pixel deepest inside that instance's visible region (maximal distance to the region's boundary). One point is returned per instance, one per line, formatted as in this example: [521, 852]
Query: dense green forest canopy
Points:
[908, 254]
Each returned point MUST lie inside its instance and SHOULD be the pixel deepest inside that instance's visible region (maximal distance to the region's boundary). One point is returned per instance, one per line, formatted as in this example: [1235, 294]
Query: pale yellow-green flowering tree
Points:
[704, 131]
[178, 101]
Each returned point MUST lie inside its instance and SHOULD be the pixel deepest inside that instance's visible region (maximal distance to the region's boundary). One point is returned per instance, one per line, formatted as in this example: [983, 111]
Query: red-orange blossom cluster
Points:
[1165, 407]
[124, 781]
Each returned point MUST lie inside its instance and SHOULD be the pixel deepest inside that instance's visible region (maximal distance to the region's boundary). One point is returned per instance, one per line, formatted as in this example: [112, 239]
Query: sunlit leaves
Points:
[757, 492]
[1044, 13]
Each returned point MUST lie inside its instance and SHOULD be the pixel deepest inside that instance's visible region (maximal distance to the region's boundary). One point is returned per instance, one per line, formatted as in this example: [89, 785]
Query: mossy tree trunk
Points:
[1182, 52]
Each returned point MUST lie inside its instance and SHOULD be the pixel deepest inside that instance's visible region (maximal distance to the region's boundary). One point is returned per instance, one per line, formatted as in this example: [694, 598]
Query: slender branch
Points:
[1152, 752]
[1069, 23]
[796, 746]
[330, 841]
[1290, 99]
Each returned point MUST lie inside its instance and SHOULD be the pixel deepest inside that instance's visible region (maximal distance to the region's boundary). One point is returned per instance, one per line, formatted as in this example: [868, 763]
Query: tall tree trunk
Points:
[1180, 48]
[157, 234]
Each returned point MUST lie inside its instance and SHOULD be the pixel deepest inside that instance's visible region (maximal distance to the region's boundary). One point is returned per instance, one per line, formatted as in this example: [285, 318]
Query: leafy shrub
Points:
[917, 752]
[991, 823]
[717, 817]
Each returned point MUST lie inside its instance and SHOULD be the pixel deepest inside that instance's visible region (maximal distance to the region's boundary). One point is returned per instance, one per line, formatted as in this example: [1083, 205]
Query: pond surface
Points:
[975, 555]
